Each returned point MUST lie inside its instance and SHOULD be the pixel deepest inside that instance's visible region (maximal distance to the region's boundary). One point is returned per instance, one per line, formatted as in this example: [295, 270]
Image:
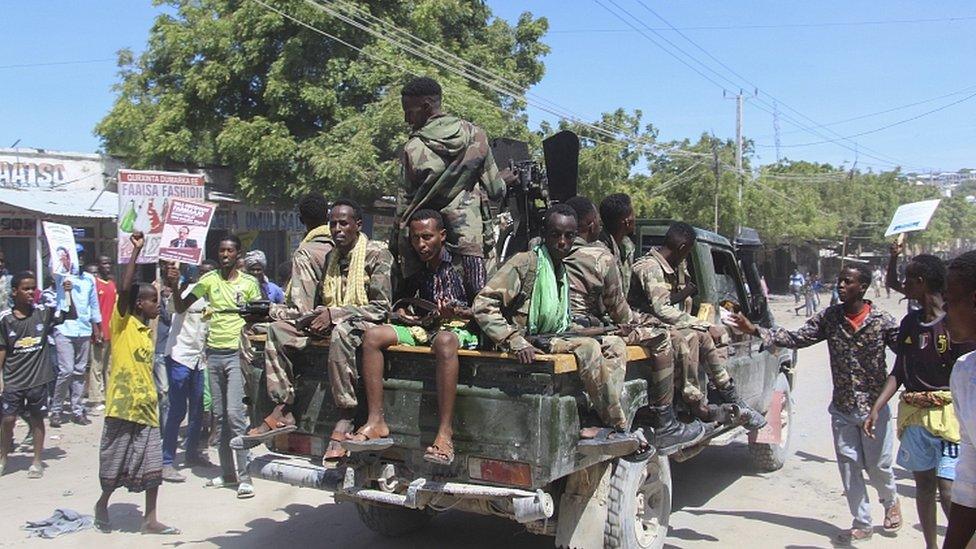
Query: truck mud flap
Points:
[772, 433]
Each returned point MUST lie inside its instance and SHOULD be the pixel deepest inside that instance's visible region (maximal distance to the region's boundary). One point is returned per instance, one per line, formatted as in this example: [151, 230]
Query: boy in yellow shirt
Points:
[131, 452]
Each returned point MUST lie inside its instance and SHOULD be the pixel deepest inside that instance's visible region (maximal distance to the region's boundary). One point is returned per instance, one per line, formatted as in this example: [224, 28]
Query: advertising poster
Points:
[914, 216]
[185, 231]
[61, 243]
[145, 198]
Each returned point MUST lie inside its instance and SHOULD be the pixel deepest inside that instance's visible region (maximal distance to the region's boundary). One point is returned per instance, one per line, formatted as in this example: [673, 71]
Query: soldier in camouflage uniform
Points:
[447, 166]
[362, 268]
[619, 222]
[655, 290]
[504, 309]
[301, 298]
[597, 299]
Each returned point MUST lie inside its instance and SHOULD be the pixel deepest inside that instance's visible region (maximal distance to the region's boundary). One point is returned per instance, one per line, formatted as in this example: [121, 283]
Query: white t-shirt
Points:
[963, 385]
[188, 333]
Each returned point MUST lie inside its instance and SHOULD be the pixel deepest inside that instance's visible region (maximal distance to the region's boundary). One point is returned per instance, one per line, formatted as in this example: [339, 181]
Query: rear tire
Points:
[639, 509]
[390, 521]
[772, 457]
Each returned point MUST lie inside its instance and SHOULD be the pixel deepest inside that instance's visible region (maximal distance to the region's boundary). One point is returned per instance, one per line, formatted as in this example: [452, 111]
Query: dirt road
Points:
[719, 501]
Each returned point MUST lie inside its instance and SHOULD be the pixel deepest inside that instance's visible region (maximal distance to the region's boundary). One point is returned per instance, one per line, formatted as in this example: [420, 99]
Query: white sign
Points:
[61, 244]
[144, 201]
[30, 170]
[914, 216]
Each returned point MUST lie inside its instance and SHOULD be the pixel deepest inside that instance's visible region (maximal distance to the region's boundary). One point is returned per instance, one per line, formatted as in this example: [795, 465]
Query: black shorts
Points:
[18, 402]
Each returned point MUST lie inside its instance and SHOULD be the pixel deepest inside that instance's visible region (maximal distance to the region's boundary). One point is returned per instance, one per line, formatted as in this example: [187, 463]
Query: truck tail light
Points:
[514, 473]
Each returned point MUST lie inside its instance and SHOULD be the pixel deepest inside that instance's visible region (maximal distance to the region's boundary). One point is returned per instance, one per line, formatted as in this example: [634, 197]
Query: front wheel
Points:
[390, 521]
[772, 457]
[639, 509]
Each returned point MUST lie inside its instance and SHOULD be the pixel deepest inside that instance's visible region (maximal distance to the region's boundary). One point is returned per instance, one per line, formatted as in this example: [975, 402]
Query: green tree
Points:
[229, 82]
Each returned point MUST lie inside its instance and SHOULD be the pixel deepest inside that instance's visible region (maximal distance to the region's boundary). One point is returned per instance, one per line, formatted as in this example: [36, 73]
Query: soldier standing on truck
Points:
[528, 297]
[597, 298]
[656, 287]
[856, 334]
[450, 283]
[302, 296]
[447, 166]
[619, 222]
[356, 294]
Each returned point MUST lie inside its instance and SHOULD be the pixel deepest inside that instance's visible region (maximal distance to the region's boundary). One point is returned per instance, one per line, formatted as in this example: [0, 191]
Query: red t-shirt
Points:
[107, 294]
[857, 320]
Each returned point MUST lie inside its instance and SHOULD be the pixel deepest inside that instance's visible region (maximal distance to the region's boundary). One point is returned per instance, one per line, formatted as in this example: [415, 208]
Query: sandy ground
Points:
[719, 498]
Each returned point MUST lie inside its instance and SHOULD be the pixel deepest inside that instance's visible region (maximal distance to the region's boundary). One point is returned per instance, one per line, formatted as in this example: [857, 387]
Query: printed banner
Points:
[185, 231]
[914, 216]
[145, 198]
[61, 244]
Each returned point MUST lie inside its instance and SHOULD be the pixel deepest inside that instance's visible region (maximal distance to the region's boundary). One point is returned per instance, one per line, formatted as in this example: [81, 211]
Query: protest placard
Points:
[145, 198]
[61, 244]
[914, 216]
[185, 231]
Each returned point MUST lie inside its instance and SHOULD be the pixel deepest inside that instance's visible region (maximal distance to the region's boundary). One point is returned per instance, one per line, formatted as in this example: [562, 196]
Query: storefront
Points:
[68, 188]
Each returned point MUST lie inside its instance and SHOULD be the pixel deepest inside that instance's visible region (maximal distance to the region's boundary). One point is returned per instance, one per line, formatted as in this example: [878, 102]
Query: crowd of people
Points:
[177, 347]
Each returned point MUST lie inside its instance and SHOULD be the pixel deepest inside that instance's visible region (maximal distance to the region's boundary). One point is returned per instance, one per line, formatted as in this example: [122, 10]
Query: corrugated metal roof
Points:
[63, 203]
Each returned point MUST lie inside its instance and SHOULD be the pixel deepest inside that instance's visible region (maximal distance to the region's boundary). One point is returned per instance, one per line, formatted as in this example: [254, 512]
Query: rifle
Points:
[261, 307]
[543, 342]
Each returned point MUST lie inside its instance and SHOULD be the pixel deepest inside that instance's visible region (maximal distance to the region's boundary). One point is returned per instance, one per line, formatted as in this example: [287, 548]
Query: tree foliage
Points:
[229, 82]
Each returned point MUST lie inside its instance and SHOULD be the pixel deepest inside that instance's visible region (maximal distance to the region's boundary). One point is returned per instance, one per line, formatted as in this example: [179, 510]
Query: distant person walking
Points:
[797, 281]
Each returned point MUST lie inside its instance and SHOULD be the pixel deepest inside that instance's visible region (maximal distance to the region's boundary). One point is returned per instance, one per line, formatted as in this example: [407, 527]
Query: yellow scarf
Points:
[355, 294]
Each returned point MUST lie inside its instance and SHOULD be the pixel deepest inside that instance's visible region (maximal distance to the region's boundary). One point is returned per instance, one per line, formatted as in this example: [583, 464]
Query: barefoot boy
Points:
[131, 452]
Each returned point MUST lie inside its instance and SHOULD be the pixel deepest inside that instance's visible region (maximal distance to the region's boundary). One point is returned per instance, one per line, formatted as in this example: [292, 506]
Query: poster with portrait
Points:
[145, 199]
[61, 244]
[184, 231]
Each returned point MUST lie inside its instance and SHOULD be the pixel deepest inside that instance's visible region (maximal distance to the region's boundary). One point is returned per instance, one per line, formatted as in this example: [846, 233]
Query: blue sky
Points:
[828, 60]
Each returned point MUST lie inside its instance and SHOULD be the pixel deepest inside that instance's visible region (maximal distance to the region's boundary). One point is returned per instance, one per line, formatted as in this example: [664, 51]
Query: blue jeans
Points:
[185, 388]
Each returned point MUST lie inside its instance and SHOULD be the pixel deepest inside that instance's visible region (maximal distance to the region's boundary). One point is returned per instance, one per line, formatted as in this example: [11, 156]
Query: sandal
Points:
[364, 442]
[607, 442]
[335, 452]
[892, 519]
[102, 525]
[854, 535]
[219, 482]
[440, 453]
[168, 531]
[245, 490]
[278, 422]
[35, 471]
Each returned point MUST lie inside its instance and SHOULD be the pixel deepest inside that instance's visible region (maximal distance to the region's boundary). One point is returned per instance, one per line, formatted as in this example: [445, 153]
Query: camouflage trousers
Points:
[656, 341]
[285, 340]
[692, 349]
[602, 365]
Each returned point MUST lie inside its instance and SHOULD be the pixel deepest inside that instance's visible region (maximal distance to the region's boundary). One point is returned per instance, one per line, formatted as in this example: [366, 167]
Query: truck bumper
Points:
[525, 505]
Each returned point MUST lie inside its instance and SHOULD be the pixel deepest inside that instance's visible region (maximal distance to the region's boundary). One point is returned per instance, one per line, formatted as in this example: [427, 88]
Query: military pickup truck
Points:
[516, 429]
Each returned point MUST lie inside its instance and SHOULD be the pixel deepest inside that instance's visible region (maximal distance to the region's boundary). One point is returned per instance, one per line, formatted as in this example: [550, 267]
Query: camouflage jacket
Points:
[624, 254]
[595, 290]
[857, 358]
[307, 266]
[378, 285]
[501, 308]
[447, 166]
[650, 291]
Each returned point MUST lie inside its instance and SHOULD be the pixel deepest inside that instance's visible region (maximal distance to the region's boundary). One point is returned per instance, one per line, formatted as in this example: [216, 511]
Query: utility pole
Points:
[718, 177]
[739, 99]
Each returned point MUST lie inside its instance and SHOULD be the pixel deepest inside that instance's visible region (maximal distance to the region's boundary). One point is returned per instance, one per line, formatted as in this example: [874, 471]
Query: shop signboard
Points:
[35, 170]
[145, 198]
[15, 222]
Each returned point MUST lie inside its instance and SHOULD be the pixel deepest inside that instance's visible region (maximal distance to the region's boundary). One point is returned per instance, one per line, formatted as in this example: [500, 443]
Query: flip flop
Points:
[219, 482]
[245, 491]
[335, 452]
[893, 519]
[609, 442]
[248, 441]
[168, 531]
[440, 454]
[35, 471]
[368, 445]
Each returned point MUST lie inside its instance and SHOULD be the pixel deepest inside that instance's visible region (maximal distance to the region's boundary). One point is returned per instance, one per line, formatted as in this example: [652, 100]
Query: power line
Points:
[777, 26]
[887, 126]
